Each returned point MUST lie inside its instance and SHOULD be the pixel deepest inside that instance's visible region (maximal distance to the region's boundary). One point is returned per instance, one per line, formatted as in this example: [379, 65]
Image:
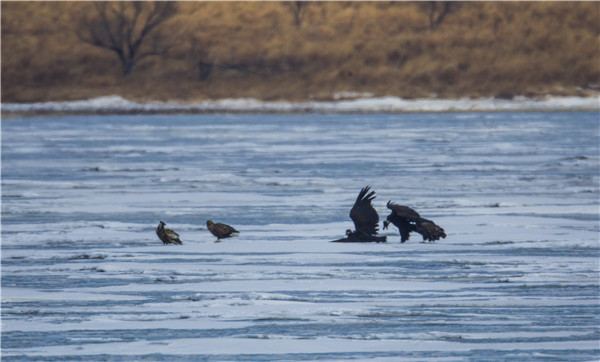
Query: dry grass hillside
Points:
[262, 50]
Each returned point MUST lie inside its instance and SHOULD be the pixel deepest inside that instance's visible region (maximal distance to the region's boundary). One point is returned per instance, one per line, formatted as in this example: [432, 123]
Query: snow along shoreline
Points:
[117, 104]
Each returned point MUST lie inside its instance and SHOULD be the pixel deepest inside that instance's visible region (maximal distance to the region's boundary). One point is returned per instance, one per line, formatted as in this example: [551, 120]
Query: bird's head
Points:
[209, 223]
[348, 232]
[385, 224]
[161, 224]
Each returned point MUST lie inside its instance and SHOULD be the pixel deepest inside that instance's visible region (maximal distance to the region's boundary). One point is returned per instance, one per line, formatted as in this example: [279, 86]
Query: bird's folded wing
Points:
[171, 234]
[404, 211]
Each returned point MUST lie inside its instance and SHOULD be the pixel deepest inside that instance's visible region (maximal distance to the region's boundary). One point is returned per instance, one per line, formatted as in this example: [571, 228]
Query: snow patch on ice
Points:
[344, 103]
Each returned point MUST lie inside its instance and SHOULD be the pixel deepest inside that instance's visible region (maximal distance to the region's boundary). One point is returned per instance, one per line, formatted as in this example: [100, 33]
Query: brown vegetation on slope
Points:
[267, 51]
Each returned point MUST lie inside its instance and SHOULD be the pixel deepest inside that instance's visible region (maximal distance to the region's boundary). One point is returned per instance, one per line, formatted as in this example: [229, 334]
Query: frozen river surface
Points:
[84, 276]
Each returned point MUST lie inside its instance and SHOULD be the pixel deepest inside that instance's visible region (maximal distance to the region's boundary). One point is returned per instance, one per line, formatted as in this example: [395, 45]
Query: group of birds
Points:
[221, 231]
[364, 216]
[407, 220]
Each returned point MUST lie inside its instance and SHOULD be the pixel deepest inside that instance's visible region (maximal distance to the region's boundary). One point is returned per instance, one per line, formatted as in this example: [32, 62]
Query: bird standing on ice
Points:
[407, 220]
[167, 236]
[221, 231]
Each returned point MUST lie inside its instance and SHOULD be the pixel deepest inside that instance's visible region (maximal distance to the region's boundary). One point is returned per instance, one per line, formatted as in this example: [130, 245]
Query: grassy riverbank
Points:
[259, 50]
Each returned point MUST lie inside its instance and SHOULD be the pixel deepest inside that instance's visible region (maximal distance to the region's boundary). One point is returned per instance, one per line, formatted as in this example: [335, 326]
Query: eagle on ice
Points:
[407, 220]
[365, 218]
[167, 236]
[221, 231]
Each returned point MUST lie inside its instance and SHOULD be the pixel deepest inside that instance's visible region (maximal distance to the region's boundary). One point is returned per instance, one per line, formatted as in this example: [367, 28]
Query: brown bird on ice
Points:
[221, 231]
[365, 220]
[407, 220]
[167, 236]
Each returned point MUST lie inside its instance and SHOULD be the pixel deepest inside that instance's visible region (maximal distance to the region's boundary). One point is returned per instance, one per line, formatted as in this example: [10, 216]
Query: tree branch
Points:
[123, 28]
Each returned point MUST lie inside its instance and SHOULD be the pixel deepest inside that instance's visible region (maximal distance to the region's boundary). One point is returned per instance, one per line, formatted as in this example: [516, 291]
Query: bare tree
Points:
[438, 10]
[298, 9]
[130, 29]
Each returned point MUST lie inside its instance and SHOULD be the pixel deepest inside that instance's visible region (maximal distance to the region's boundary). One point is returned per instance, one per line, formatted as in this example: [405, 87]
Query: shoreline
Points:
[118, 105]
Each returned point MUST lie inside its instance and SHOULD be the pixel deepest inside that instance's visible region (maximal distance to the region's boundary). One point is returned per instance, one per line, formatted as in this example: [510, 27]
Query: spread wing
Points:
[363, 214]
[404, 211]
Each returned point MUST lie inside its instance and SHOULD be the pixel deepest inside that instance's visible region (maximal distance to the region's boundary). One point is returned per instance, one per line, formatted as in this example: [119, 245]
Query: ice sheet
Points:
[84, 275]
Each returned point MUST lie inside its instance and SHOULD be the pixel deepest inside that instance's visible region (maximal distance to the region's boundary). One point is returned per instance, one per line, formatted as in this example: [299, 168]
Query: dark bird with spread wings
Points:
[221, 231]
[407, 220]
[167, 236]
[365, 218]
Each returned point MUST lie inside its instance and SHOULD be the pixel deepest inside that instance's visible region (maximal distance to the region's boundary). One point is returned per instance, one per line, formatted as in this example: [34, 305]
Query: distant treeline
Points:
[297, 50]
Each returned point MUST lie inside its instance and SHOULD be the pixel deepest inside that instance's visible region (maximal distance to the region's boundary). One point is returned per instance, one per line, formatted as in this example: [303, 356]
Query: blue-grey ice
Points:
[84, 276]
